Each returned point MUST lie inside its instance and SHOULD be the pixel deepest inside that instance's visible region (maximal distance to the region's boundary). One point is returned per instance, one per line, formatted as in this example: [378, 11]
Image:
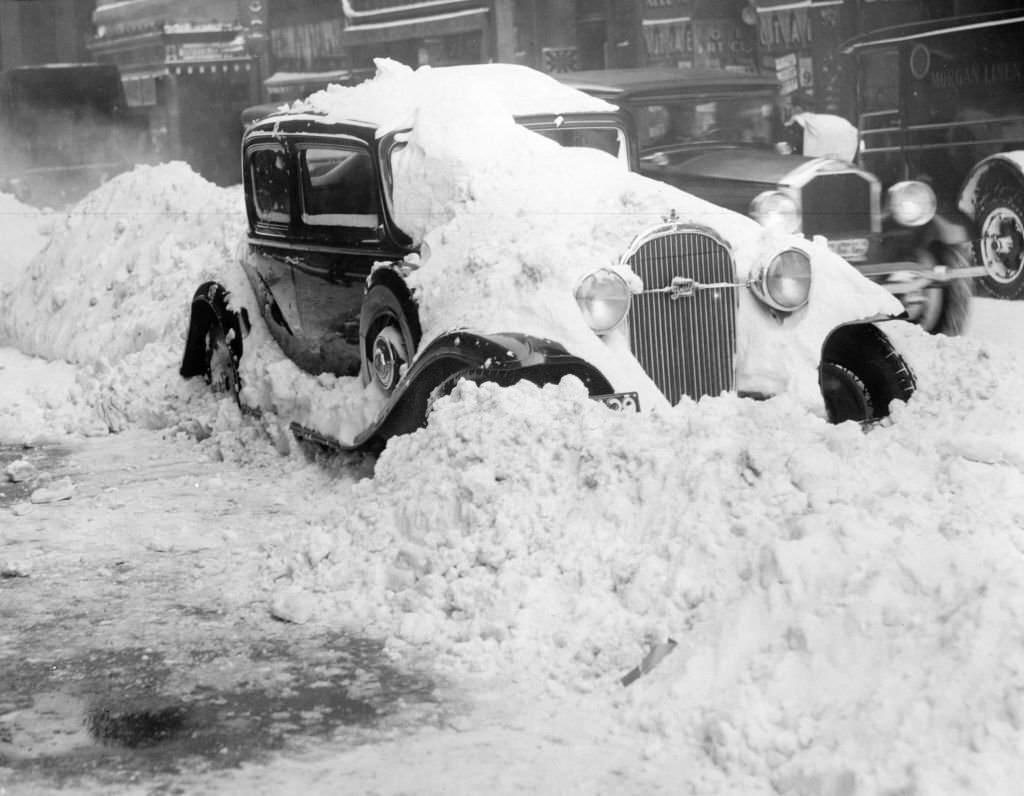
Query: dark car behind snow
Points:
[714, 134]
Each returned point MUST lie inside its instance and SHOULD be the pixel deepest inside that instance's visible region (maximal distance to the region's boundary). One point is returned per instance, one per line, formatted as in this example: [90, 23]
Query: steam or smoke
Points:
[53, 156]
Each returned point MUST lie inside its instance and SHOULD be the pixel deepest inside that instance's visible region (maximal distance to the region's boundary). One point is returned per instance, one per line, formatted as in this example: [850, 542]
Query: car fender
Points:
[504, 358]
[1003, 168]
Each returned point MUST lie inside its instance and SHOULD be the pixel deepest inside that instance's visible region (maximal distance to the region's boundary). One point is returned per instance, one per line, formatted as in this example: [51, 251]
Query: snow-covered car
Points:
[715, 133]
[410, 232]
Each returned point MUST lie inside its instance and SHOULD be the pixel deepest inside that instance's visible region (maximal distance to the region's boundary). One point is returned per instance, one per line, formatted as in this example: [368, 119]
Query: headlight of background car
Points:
[604, 299]
[776, 210]
[912, 203]
[785, 283]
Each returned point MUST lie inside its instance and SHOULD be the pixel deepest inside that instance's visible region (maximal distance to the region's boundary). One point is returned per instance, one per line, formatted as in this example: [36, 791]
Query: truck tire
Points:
[1000, 243]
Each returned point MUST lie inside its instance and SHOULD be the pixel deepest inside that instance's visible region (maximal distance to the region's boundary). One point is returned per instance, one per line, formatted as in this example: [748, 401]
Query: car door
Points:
[269, 171]
[340, 218]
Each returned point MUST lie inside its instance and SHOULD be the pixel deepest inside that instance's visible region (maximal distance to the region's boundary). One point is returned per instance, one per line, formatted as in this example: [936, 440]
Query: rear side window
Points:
[270, 172]
[339, 188]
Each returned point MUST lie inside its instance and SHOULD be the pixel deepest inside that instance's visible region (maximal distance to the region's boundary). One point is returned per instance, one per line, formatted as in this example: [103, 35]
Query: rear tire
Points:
[221, 370]
[1000, 243]
[388, 339]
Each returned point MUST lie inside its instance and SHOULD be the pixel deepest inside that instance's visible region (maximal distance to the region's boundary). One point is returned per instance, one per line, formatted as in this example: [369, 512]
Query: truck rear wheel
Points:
[1000, 244]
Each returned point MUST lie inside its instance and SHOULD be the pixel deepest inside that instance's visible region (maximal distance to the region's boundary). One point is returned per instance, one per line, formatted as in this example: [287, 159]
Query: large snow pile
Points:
[848, 607]
[106, 284]
[116, 272]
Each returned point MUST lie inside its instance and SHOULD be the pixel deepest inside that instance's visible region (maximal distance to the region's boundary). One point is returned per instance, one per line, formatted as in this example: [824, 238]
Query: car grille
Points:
[686, 345]
[837, 205]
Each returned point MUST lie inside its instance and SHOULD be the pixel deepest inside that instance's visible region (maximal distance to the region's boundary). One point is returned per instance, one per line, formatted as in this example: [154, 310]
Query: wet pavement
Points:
[128, 659]
[115, 717]
[41, 458]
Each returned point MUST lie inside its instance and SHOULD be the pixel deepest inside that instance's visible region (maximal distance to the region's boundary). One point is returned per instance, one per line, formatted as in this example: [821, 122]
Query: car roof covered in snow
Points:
[393, 97]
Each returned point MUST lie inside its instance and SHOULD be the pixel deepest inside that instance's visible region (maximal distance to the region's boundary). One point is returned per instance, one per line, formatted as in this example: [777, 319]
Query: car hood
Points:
[746, 165]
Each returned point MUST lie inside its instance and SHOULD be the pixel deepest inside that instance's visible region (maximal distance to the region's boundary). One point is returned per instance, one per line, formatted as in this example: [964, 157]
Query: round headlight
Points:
[604, 298]
[912, 203]
[776, 210]
[785, 283]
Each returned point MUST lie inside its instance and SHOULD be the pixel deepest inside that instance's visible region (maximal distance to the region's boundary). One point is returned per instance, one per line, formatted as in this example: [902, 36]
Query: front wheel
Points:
[861, 374]
[1000, 244]
[846, 396]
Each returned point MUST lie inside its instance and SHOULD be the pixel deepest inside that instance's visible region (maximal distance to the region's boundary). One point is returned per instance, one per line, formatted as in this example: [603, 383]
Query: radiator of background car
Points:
[687, 345]
[837, 205]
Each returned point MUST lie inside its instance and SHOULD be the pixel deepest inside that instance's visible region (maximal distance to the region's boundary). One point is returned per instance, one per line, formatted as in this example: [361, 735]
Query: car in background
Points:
[714, 133]
[943, 101]
[403, 263]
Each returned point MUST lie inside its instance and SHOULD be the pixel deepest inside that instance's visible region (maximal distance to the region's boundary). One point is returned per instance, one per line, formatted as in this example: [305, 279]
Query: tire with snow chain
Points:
[861, 374]
[1000, 242]
[846, 396]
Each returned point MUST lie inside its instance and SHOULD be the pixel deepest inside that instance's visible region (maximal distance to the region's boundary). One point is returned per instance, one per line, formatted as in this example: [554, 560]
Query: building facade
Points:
[44, 32]
[191, 66]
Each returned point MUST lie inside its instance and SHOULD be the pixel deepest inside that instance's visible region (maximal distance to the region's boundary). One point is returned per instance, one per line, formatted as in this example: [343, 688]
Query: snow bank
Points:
[847, 606]
[119, 266]
[23, 232]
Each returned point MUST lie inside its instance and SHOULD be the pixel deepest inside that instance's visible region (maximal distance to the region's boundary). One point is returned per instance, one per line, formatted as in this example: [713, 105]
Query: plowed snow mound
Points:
[22, 232]
[120, 266]
[848, 606]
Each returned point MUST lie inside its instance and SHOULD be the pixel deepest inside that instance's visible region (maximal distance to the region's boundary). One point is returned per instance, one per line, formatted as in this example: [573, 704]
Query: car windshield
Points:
[745, 119]
[608, 139]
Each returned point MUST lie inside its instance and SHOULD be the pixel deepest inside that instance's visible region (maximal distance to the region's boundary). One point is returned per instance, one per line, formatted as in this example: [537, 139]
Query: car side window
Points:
[270, 172]
[339, 187]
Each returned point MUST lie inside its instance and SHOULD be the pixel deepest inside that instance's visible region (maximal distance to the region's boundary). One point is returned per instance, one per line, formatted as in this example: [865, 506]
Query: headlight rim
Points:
[757, 211]
[892, 199]
[759, 284]
[626, 295]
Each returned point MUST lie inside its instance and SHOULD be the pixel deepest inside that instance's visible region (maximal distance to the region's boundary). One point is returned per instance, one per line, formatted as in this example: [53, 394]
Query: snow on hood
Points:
[510, 222]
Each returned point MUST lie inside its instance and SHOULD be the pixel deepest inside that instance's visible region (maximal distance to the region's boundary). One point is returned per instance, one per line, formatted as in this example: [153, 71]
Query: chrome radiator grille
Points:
[687, 344]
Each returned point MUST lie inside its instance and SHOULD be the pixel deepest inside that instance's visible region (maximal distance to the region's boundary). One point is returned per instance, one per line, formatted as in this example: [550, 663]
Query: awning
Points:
[284, 80]
[420, 27]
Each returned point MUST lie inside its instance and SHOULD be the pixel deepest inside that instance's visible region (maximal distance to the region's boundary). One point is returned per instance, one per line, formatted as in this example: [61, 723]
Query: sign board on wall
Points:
[784, 28]
[787, 71]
